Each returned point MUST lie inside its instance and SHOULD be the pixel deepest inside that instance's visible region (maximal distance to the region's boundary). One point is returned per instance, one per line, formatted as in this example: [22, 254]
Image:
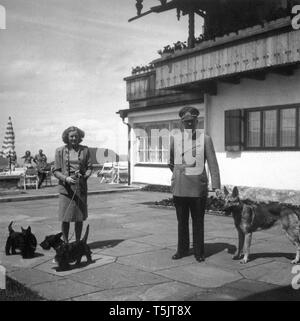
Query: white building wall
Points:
[154, 175]
[272, 169]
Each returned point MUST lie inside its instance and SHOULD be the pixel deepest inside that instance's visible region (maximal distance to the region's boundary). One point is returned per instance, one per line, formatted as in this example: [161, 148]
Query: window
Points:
[288, 127]
[153, 141]
[276, 128]
[272, 128]
[253, 133]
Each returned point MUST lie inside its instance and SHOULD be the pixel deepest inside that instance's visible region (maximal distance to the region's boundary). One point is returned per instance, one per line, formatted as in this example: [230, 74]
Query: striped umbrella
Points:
[8, 146]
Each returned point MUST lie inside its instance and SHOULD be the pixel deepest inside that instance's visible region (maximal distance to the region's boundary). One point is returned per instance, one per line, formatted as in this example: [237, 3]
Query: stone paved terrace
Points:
[94, 187]
[132, 245]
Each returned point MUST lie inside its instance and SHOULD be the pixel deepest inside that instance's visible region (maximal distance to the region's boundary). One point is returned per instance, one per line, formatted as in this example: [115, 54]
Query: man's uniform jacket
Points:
[187, 161]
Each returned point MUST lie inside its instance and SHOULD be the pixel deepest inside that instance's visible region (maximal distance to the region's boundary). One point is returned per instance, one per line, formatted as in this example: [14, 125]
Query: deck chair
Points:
[121, 172]
[31, 178]
[106, 173]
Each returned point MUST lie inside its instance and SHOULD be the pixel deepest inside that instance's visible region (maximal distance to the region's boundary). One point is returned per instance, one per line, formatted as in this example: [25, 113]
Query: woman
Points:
[72, 167]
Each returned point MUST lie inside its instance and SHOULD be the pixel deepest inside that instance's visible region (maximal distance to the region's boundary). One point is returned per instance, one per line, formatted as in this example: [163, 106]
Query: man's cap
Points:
[187, 113]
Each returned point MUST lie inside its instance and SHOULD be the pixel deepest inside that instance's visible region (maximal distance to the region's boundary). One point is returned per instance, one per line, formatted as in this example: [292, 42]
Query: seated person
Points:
[28, 159]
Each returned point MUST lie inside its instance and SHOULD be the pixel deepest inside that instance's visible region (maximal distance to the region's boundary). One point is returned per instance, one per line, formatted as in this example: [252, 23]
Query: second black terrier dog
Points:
[73, 252]
[24, 241]
[53, 241]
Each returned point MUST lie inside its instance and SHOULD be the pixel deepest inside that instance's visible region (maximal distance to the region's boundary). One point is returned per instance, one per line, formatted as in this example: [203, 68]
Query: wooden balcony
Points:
[143, 86]
[250, 50]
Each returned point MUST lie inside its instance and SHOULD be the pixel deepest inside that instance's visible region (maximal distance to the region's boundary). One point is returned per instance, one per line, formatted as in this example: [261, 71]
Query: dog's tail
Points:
[86, 234]
[10, 229]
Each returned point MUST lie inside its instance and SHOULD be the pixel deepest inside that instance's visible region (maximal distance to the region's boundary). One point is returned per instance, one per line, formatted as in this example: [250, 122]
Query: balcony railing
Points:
[251, 49]
[142, 86]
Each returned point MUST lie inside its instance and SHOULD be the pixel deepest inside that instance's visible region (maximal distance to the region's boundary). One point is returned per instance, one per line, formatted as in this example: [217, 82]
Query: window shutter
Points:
[233, 130]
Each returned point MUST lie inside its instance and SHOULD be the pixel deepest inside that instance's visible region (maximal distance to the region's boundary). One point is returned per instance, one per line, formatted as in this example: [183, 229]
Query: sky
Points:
[62, 63]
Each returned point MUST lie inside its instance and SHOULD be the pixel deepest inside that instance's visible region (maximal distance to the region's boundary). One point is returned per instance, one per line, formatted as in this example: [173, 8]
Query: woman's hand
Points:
[78, 174]
[70, 180]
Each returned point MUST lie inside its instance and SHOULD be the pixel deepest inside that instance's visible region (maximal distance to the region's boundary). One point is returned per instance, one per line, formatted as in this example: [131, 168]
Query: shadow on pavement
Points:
[214, 248]
[36, 254]
[74, 266]
[284, 293]
[104, 244]
[255, 256]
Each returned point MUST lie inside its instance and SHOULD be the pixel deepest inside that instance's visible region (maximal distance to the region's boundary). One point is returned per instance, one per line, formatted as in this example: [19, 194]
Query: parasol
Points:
[8, 146]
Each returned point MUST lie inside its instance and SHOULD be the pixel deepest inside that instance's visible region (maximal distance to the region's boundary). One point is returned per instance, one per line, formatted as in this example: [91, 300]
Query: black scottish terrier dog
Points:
[53, 241]
[24, 241]
[68, 253]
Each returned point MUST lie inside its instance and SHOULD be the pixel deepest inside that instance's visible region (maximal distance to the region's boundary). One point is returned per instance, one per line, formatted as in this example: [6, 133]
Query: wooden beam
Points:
[231, 80]
[211, 88]
[200, 13]
[256, 75]
[285, 70]
[191, 39]
[140, 16]
[208, 87]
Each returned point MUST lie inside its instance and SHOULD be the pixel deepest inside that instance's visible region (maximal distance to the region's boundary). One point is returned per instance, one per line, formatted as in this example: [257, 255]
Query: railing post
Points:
[191, 39]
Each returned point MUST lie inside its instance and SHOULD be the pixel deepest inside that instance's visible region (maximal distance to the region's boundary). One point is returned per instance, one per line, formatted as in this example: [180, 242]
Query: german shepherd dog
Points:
[250, 216]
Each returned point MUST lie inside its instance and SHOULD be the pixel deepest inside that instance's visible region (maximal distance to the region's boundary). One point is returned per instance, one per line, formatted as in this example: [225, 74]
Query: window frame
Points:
[277, 108]
[171, 123]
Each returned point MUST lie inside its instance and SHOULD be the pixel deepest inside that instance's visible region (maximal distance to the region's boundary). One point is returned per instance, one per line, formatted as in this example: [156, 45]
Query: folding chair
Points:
[121, 172]
[106, 172]
[31, 178]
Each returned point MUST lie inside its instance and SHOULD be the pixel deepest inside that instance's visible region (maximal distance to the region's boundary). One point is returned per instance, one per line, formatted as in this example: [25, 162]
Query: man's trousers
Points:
[196, 206]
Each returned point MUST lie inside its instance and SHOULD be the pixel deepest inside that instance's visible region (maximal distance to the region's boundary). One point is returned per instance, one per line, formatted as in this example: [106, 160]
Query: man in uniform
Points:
[190, 149]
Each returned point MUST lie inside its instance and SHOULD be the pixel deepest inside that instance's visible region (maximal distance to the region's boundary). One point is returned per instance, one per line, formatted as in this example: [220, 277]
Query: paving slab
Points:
[128, 247]
[62, 289]
[169, 291]
[18, 262]
[155, 260]
[252, 286]
[221, 294]
[115, 233]
[277, 248]
[98, 260]
[133, 245]
[117, 276]
[278, 273]
[159, 239]
[30, 277]
[224, 260]
[201, 275]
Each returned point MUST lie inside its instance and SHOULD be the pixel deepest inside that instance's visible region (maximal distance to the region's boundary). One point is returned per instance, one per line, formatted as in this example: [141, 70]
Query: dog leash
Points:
[74, 193]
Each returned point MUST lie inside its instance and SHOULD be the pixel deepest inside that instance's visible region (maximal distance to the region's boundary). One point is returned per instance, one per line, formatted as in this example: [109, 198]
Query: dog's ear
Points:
[235, 192]
[28, 229]
[225, 191]
[59, 235]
